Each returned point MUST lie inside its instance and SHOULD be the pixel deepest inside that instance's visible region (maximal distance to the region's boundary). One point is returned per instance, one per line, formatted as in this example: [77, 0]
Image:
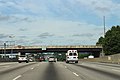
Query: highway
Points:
[59, 71]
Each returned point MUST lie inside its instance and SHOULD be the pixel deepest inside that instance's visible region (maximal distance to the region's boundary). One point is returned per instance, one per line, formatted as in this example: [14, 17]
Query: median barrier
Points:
[8, 60]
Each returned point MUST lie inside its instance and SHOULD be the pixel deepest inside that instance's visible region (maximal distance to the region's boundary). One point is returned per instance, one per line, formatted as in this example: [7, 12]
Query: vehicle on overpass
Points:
[22, 57]
[72, 56]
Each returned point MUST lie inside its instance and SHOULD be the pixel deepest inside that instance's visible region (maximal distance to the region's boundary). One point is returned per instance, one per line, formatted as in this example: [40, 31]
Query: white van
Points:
[72, 56]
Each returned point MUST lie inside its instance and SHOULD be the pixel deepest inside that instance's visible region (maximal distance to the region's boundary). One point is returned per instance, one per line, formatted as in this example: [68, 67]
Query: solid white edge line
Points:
[6, 66]
[116, 70]
[75, 74]
[17, 77]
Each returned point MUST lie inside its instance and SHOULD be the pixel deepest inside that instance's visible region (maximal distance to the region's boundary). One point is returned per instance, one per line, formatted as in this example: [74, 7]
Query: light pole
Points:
[11, 45]
[104, 25]
[103, 54]
[4, 50]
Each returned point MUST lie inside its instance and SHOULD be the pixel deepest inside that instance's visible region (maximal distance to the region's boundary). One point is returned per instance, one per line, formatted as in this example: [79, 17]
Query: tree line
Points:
[111, 41]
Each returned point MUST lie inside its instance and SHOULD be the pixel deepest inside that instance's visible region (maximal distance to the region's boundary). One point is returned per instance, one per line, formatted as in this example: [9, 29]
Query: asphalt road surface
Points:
[59, 71]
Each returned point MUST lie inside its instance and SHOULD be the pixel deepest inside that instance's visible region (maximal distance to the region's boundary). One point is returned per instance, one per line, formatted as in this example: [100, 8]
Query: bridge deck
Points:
[68, 46]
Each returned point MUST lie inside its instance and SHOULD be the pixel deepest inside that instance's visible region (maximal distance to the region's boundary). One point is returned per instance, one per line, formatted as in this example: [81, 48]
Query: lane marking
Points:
[5, 66]
[17, 77]
[65, 66]
[32, 68]
[75, 74]
[116, 70]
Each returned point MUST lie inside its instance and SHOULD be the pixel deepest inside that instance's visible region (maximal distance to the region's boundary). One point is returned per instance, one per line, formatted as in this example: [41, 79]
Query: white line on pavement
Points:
[75, 74]
[5, 66]
[32, 68]
[17, 77]
[65, 66]
[116, 70]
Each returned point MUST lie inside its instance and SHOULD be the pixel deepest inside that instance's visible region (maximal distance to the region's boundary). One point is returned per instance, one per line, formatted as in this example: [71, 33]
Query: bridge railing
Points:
[55, 46]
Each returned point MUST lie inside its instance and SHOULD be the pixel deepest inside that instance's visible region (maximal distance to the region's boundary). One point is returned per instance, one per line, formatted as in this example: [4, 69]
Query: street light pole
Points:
[11, 37]
[104, 25]
[4, 49]
[103, 54]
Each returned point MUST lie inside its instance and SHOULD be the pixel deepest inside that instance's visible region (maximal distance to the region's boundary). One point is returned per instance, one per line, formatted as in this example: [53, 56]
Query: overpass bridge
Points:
[52, 48]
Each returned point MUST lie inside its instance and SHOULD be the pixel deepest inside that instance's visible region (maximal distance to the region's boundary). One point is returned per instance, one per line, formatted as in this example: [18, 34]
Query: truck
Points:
[72, 56]
[22, 57]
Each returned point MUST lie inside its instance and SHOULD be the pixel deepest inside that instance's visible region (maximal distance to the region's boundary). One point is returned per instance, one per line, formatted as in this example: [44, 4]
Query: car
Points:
[52, 59]
[23, 58]
[41, 59]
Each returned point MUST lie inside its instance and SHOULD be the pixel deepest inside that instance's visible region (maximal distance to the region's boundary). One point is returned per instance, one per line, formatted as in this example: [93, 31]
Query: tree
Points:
[100, 41]
[111, 41]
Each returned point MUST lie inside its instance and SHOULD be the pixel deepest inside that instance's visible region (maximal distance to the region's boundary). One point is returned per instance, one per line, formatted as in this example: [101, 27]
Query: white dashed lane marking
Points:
[32, 68]
[17, 77]
[116, 70]
[65, 66]
[75, 74]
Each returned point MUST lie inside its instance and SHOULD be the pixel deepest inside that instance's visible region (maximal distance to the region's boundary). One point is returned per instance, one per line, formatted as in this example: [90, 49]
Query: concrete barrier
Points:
[106, 59]
[8, 60]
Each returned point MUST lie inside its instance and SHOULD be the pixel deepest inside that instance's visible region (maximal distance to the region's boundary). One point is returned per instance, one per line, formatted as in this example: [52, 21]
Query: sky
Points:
[56, 22]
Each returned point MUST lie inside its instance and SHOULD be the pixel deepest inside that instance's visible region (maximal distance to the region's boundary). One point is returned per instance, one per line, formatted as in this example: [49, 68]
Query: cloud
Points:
[22, 41]
[3, 36]
[72, 19]
[4, 18]
[36, 42]
[83, 35]
[101, 7]
[45, 35]
[61, 9]
[23, 37]
[22, 29]
[14, 19]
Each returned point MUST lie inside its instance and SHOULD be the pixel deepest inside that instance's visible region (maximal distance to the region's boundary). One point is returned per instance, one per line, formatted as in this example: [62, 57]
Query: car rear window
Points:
[74, 54]
[70, 54]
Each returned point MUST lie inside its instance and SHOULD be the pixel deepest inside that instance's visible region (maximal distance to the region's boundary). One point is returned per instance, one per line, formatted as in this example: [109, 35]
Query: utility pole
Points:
[5, 50]
[102, 53]
[104, 25]
[12, 44]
